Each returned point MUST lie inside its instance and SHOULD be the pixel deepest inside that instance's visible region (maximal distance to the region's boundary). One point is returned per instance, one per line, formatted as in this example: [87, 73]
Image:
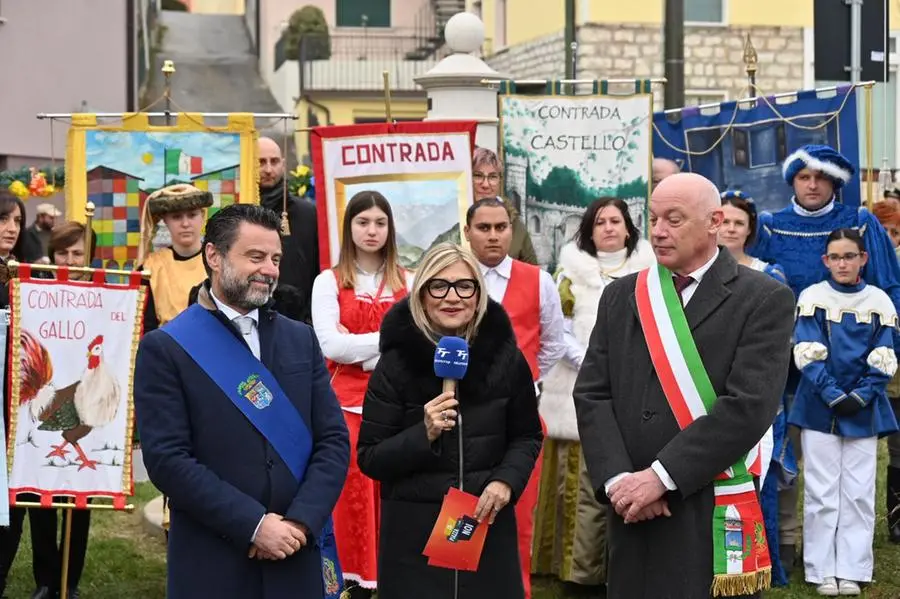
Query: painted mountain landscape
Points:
[425, 213]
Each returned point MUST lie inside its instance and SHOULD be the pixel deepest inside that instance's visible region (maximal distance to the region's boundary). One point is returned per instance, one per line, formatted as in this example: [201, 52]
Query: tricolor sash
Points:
[253, 390]
[741, 564]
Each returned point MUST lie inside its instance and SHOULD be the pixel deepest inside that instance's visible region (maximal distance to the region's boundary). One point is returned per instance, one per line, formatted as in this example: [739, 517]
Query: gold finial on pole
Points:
[751, 60]
[387, 96]
[168, 69]
[89, 209]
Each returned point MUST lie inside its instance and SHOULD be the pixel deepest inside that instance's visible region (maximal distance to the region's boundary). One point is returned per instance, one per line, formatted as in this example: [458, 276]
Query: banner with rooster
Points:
[71, 411]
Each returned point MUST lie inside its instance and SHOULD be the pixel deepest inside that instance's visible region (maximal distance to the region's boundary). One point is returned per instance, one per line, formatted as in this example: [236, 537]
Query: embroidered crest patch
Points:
[330, 576]
[256, 392]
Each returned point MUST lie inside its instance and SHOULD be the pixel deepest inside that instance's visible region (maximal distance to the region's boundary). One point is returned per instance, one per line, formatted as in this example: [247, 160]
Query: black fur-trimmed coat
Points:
[501, 434]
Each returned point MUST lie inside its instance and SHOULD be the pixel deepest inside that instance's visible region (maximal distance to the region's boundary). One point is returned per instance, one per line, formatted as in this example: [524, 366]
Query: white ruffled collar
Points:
[798, 209]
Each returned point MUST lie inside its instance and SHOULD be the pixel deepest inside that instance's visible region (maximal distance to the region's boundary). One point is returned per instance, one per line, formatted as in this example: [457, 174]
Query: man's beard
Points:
[240, 292]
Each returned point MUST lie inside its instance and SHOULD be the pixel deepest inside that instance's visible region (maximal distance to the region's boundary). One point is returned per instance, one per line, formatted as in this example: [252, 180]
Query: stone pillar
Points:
[454, 86]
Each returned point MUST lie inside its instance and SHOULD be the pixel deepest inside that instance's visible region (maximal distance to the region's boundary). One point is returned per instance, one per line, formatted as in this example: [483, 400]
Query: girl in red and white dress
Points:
[348, 304]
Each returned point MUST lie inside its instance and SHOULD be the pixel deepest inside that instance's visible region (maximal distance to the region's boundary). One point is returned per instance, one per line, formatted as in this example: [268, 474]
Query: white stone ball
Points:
[464, 32]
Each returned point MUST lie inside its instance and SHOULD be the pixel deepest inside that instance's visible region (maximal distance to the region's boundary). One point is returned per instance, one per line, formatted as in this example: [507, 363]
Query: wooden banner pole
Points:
[14, 266]
[387, 96]
[209, 115]
[66, 550]
[66, 505]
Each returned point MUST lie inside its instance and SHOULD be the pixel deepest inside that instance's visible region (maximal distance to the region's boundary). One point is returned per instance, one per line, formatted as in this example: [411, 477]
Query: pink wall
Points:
[50, 61]
[274, 12]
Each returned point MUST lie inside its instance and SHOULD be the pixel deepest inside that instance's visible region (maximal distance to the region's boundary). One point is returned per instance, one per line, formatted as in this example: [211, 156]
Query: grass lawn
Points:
[887, 561]
[125, 562]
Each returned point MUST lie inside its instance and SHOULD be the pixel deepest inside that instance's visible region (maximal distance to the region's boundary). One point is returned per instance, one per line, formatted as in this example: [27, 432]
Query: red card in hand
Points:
[457, 538]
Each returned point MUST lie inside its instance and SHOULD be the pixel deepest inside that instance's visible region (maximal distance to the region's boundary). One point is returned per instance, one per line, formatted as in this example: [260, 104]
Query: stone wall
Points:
[543, 58]
[713, 57]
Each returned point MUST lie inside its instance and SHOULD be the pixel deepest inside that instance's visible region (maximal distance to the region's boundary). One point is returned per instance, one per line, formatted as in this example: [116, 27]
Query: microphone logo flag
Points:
[451, 358]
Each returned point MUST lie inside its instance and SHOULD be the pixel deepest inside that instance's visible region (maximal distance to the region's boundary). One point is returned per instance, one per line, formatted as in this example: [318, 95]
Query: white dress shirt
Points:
[553, 344]
[347, 348]
[251, 334]
[686, 294]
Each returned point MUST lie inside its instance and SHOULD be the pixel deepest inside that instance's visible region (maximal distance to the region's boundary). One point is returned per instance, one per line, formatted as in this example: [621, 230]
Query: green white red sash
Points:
[741, 564]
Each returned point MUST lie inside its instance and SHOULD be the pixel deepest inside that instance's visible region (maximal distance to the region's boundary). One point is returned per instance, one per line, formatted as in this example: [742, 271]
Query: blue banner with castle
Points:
[742, 144]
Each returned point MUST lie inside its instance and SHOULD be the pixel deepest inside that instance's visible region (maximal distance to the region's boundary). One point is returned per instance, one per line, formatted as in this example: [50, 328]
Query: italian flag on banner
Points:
[741, 563]
[179, 163]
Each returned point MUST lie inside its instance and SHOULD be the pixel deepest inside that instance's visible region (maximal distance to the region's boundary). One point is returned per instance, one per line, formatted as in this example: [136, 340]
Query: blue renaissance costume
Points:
[844, 349]
[795, 237]
[782, 467]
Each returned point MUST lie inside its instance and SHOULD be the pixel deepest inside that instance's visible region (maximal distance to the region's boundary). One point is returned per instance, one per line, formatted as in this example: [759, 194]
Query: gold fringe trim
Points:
[128, 464]
[733, 585]
[285, 225]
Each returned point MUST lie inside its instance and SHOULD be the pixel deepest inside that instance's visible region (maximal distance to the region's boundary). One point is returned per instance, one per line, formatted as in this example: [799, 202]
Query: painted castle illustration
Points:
[550, 224]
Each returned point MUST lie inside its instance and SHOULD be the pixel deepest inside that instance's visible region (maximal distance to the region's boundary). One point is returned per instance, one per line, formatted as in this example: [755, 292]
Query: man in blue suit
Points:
[241, 430]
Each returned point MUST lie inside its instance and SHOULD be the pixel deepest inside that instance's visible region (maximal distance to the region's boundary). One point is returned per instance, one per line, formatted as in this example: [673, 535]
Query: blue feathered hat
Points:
[824, 159]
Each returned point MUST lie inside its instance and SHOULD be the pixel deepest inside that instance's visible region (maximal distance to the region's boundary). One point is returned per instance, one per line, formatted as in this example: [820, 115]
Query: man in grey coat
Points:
[658, 474]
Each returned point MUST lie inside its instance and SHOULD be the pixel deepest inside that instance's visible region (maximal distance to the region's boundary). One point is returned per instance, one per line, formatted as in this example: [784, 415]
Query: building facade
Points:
[345, 84]
[625, 40]
[48, 63]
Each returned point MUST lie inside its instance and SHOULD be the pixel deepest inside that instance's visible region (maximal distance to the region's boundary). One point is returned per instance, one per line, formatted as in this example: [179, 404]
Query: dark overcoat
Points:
[501, 434]
[221, 475]
[741, 321]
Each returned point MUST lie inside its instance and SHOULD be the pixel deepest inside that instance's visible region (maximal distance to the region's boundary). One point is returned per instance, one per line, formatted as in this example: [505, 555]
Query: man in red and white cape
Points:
[532, 302]
[682, 376]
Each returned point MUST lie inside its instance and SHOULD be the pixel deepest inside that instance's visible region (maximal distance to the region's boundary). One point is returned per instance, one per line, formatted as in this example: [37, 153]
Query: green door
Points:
[357, 13]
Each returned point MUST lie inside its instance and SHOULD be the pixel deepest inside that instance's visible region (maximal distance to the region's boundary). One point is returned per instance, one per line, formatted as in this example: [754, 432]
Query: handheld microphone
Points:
[451, 359]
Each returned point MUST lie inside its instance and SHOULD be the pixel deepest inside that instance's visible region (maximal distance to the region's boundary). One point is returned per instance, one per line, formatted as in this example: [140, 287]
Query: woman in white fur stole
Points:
[570, 526]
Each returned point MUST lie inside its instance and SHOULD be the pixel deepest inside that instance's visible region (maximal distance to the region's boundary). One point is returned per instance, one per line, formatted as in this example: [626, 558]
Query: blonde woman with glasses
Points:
[412, 433]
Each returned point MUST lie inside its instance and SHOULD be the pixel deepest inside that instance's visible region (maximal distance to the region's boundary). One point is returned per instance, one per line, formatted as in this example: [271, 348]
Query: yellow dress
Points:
[171, 281]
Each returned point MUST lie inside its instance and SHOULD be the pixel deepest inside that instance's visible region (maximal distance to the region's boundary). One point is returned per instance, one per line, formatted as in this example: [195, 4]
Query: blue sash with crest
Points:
[256, 393]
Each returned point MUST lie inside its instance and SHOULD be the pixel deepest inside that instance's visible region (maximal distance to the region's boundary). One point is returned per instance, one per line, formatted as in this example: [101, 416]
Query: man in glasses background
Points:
[532, 302]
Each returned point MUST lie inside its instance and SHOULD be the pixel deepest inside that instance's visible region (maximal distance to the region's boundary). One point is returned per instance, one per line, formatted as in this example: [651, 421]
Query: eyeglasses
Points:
[480, 177]
[439, 288]
[844, 257]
